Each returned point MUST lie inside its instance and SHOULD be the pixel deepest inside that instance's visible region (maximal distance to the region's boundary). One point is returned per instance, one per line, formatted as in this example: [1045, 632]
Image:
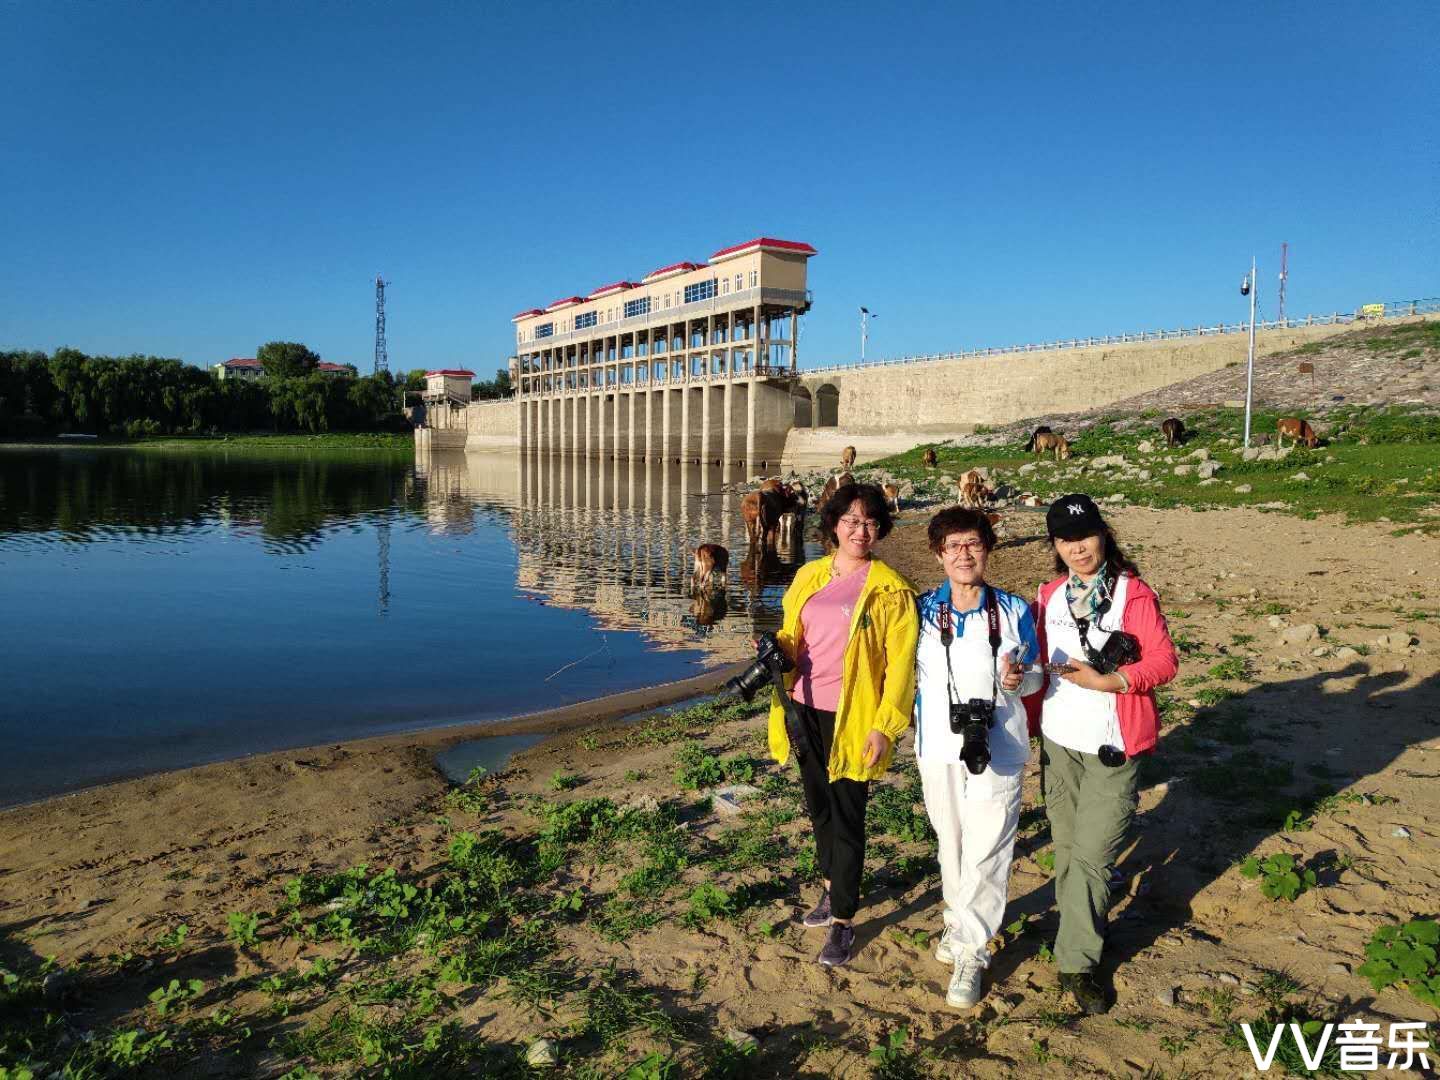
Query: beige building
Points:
[685, 363]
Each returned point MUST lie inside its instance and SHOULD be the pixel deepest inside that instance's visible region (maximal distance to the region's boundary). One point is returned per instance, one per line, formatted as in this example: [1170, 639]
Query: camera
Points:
[972, 720]
[1119, 649]
[769, 658]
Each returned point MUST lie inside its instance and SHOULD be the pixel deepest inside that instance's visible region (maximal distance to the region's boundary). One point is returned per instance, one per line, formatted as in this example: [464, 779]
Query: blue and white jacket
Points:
[970, 666]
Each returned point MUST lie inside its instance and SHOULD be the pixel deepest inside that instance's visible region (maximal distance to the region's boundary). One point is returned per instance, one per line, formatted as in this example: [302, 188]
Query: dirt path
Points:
[1267, 717]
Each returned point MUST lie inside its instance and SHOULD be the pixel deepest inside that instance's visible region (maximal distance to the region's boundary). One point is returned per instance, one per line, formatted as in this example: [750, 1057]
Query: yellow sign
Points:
[1372, 311]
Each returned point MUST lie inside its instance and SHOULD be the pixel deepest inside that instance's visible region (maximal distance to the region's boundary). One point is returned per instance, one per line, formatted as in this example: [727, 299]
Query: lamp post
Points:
[865, 318]
[1247, 288]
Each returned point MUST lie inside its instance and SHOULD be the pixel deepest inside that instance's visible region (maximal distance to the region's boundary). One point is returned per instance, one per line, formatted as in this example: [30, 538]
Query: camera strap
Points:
[947, 637]
[1103, 608]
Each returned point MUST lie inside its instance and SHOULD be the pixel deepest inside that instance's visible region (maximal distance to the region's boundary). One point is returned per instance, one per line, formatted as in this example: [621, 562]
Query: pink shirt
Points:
[825, 631]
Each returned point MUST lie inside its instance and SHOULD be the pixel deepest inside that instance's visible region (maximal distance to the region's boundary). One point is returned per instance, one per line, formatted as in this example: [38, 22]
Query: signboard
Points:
[1372, 311]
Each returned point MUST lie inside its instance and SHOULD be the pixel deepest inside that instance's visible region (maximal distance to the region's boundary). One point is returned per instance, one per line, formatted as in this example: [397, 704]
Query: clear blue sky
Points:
[194, 179]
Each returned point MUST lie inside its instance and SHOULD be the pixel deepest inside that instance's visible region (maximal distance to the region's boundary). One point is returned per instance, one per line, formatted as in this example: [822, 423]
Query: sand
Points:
[101, 873]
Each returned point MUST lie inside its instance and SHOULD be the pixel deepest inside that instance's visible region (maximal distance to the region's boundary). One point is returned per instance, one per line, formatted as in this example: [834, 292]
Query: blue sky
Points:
[194, 179]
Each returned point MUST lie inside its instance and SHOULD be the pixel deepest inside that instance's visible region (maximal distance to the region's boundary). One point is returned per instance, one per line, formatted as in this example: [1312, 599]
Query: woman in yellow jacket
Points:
[850, 626]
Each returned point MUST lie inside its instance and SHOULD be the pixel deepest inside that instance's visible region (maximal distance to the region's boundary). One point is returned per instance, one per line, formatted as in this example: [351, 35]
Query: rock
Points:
[1396, 641]
[1107, 462]
[541, 1054]
[1400, 833]
[1301, 476]
[1208, 469]
[1276, 622]
[1118, 497]
[1143, 474]
[646, 804]
[1028, 467]
[1250, 453]
[1345, 652]
[1321, 651]
[1208, 481]
[1199, 455]
[1228, 979]
[741, 1040]
[729, 800]
[1339, 969]
[1145, 446]
[1297, 635]
[1165, 996]
[1184, 470]
[1243, 489]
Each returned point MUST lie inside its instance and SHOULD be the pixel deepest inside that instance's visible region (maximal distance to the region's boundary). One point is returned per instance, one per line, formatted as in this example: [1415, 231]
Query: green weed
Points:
[1281, 876]
[243, 928]
[1405, 955]
[895, 1059]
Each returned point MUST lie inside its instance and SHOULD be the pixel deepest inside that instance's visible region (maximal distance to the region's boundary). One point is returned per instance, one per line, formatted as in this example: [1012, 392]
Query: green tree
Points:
[286, 359]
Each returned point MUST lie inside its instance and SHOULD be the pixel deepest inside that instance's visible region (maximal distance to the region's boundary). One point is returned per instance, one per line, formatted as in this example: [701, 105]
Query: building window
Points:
[701, 290]
[586, 320]
[737, 282]
[754, 278]
[637, 307]
[725, 287]
[545, 329]
[667, 299]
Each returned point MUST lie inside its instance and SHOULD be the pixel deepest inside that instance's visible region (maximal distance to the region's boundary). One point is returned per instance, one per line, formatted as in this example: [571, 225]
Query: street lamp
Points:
[1247, 288]
[865, 317]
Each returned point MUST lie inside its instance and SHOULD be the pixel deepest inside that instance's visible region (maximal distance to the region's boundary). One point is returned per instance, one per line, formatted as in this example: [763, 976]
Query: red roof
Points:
[565, 302]
[325, 365]
[243, 362]
[527, 314]
[458, 373]
[673, 268]
[605, 290]
[763, 242]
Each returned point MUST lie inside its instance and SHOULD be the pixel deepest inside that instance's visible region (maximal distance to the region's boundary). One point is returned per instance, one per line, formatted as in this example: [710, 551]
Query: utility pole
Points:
[1284, 276]
[382, 356]
[1247, 288]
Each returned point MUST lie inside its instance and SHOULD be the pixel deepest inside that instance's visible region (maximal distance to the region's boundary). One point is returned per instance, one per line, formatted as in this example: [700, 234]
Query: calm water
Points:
[163, 608]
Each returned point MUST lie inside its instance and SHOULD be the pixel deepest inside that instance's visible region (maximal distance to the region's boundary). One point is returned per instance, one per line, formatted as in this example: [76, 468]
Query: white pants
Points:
[974, 818]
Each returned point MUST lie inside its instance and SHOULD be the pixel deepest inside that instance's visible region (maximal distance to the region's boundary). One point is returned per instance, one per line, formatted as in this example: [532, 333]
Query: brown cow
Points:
[834, 484]
[892, 496]
[930, 458]
[750, 515]
[1174, 431]
[973, 491]
[1299, 430]
[775, 503]
[712, 565]
[847, 458]
[1043, 429]
[1046, 441]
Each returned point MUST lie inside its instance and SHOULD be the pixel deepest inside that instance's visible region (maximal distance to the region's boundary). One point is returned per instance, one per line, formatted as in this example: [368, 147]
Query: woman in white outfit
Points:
[975, 642]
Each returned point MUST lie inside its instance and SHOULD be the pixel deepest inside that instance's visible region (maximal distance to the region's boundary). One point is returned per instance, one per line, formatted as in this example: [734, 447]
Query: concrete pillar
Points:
[630, 442]
[707, 445]
[750, 466]
[522, 418]
[794, 340]
[665, 423]
[727, 440]
[601, 426]
[649, 422]
[685, 419]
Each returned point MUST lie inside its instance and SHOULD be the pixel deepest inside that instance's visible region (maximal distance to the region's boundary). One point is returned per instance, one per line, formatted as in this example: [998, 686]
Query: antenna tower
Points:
[382, 357]
[1284, 273]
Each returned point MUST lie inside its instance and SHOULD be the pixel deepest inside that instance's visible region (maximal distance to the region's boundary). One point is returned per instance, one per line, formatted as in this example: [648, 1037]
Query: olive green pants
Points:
[1090, 807]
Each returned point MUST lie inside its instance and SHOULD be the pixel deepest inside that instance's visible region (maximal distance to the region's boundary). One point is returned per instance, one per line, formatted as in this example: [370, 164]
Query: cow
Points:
[1299, 430]
[847, 458]
[834, 484]
[775, 503]
[750, 515]
[1041, 430]
[892, 496]
[802, 497]
[1174, 431]
[973, 491]
[930, 458]
[1047, 440]
[712, 564]
[790, 540]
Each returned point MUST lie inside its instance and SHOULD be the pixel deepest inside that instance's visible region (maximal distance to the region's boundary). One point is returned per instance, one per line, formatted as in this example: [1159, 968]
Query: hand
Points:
[876, 743]
[1088, 678]
[1010, 673]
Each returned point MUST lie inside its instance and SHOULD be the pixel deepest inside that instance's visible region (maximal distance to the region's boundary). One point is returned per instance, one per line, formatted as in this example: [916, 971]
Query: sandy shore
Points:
[102, 873]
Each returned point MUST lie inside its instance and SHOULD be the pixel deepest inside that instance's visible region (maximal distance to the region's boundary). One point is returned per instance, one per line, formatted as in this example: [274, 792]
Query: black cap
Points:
[1074, 517]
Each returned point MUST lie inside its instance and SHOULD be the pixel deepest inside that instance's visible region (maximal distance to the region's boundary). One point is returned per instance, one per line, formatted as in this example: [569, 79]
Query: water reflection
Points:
[617, 539]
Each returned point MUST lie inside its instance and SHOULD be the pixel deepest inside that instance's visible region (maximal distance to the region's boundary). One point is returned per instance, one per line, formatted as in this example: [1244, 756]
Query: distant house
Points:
[448, 385]
[250, 368]
[239, 368]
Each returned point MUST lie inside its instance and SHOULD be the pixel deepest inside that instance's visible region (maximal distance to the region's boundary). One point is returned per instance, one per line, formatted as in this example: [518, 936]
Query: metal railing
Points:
[1394, 310]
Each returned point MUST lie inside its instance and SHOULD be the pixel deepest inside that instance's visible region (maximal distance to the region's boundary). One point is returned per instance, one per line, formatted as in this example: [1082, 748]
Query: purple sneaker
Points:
[819, 915]
[837, 950]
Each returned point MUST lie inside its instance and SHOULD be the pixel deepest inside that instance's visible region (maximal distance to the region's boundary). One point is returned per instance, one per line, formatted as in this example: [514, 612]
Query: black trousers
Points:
[837, 813]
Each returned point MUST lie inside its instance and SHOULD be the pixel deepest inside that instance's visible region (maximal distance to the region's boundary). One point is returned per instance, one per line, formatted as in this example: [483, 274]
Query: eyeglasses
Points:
[955, 547]
[855, 524]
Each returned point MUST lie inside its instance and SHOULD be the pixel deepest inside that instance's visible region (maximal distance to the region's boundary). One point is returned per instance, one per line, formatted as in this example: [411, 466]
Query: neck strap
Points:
[947, 637]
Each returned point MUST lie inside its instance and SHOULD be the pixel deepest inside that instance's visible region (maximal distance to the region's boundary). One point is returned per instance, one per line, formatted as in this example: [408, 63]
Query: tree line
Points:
[69, 391]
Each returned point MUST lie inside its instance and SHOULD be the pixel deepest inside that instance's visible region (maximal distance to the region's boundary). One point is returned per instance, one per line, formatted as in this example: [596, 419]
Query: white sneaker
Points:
[943, 950]
[965, 989]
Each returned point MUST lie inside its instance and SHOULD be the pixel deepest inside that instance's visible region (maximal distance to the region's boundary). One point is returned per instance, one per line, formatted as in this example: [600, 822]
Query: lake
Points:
[168, 607]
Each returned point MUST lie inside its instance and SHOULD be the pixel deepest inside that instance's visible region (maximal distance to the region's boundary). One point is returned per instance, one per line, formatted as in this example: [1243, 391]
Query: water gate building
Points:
[693, 362]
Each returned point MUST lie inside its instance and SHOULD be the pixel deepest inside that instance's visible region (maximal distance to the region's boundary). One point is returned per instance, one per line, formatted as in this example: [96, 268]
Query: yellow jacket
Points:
[877, 689]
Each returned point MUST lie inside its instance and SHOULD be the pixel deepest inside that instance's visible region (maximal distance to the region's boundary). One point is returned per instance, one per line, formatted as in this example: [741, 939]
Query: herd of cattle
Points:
[774, 514]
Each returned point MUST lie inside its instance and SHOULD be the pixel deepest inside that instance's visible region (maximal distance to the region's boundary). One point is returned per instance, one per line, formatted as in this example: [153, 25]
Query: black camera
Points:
[1119, 649]
[972, 721]
[770, 660]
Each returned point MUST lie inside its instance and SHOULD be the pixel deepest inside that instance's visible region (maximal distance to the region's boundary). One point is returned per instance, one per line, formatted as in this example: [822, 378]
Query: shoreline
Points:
[433, 740]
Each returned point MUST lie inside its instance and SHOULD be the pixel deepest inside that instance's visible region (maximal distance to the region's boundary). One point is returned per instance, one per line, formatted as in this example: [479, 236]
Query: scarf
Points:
[1087, 599]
